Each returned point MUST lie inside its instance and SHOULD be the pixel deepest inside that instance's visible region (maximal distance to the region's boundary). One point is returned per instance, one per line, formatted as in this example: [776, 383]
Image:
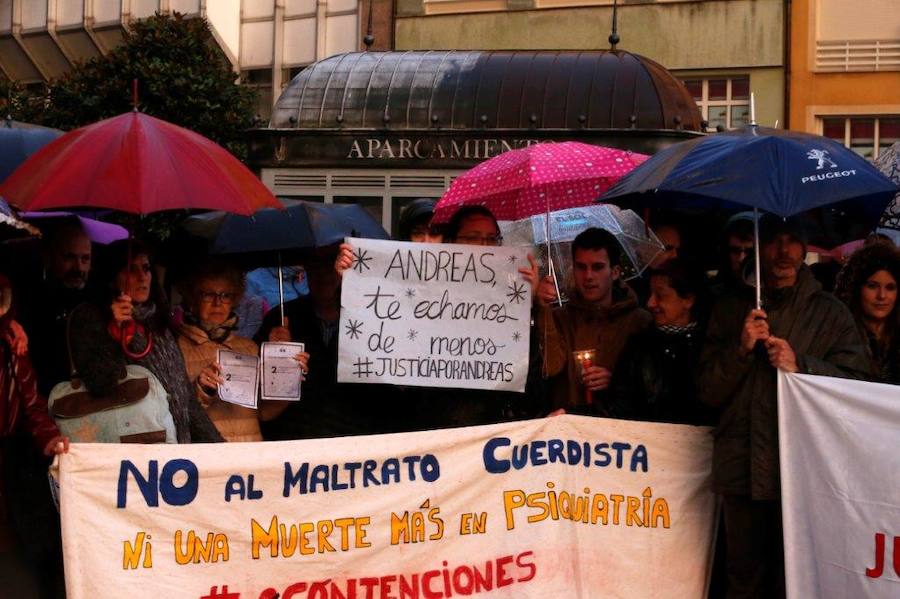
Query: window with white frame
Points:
[868, 136]
[862, 35]
[724, 101]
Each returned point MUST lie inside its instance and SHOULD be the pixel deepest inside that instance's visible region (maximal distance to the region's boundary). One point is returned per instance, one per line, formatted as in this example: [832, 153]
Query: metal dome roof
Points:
[464, 90]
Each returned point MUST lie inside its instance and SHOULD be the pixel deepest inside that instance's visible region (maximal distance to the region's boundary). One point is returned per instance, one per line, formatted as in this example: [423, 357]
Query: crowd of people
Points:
[96, 337]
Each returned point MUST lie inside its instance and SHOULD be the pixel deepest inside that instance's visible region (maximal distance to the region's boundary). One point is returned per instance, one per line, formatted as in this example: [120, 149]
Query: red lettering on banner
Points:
[450, 580]
[878, 569]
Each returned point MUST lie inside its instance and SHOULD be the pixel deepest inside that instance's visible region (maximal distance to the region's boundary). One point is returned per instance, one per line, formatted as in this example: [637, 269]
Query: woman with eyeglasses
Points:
[133, 311]
[211, 294]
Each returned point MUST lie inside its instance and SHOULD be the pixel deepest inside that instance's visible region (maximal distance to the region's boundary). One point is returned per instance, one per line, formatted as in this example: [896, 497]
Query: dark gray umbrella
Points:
[18, 141]
[272, 236]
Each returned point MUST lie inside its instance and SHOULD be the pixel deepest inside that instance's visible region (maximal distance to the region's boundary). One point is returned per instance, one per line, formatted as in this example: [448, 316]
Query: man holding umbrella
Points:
[801, 329]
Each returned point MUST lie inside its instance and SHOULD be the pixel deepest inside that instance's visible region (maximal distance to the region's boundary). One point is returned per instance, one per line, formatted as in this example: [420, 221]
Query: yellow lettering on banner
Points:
[261, 537]
[660, 511]
[511, 501]
[194, 550]
[305, 529]
[586, 508]
[325, 528]
[359, 528]
[323, 536]
[131, 554]
[412, 527]
[473, 523]
[633, 513]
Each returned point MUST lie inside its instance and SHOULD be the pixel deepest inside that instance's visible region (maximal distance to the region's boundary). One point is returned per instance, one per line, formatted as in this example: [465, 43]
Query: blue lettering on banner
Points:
[498, 460]
[154, 485]
[371, 473]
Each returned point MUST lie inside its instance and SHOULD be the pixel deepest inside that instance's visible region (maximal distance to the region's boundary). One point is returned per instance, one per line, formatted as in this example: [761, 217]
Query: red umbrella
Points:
[139, 164]
[540, 178]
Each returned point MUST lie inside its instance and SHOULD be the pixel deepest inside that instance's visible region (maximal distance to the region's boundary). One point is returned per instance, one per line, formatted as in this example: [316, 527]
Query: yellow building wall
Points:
[817, 94]
[678, 35]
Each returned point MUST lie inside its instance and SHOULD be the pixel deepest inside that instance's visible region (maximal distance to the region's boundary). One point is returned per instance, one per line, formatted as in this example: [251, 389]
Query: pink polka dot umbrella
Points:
[540, 178]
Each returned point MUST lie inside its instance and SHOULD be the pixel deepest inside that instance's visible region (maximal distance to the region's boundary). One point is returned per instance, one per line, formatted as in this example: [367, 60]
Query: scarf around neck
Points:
[216, 333]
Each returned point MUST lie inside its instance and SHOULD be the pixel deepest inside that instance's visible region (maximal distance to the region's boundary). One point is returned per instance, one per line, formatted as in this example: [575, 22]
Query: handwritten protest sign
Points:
[435, 316]
[558, 507]
[840, 475]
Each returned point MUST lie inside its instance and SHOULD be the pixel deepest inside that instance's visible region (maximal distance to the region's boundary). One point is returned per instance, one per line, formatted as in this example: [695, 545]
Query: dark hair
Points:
[864, 263]
[599, 239]
[462, 214]
[60, 229]
[416, 212]
[113, 259]
[212, 268]
[687, 281]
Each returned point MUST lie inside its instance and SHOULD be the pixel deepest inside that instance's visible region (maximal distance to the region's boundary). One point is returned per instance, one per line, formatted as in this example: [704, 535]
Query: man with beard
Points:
[801, 329]
[67, 264]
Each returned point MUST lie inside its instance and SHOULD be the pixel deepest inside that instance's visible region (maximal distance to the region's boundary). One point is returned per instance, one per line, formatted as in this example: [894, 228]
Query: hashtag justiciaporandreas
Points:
[434, 368]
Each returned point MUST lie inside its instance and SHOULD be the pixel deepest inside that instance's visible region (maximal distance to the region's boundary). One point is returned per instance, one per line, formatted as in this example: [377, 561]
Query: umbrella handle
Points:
[756, 258]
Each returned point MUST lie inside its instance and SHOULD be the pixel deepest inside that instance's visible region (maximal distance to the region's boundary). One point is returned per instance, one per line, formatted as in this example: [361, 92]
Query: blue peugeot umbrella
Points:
[272, 235]
[840, 195]
[18, 141]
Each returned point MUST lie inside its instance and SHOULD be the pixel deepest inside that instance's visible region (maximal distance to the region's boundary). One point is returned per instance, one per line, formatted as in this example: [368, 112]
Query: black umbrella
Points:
[273, 236]
[841, 195]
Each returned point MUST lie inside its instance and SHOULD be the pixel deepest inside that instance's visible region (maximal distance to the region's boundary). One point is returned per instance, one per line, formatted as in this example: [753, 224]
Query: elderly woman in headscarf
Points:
[868, 285]
[211, 294]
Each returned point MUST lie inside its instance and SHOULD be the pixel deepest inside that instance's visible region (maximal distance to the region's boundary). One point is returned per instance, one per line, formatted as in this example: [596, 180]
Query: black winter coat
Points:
[655, 380]
[820, 330]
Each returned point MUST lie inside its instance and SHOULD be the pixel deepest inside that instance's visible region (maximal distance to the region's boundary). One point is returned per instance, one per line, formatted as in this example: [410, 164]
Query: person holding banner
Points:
[868, 285]
[801, 329]
[211, 294]
[23, 409]
[584, 338]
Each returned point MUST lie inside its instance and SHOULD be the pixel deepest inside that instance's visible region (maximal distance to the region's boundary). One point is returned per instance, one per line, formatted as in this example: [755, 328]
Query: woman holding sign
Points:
[211, 294]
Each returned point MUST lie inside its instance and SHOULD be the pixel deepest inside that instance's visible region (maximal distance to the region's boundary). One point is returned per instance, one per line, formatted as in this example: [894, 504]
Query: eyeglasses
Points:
[480, 239]
[224, 297]
[736, 250]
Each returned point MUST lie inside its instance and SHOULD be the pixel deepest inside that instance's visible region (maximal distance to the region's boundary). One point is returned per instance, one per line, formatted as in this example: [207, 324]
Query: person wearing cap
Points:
[801, 329]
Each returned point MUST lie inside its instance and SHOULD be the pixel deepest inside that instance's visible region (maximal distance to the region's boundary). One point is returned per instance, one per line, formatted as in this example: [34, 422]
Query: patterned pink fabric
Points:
[522, 183]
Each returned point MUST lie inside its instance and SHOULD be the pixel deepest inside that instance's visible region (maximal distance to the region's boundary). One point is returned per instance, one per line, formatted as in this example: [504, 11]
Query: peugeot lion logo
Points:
[822, 157]
[822, 160]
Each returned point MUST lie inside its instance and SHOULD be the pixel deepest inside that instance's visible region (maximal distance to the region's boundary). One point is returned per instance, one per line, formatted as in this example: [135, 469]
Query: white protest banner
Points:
[840, 481]
[559, 507]
[435, 315]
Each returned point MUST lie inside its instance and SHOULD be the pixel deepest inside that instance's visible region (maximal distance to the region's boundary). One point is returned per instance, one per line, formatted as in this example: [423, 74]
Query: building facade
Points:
[845, 71]
[380, 129]
[267, 41]
[723, 50]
